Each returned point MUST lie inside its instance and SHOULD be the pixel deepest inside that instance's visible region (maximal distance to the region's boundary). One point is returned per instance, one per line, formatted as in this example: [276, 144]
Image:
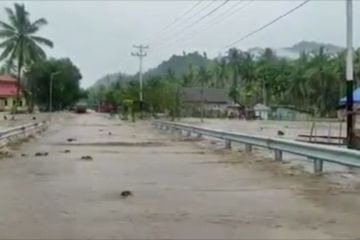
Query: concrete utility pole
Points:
[349, 73]
[140, 54]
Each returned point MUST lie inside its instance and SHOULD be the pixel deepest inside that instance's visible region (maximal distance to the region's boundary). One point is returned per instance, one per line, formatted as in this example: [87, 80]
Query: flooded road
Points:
[181, 189]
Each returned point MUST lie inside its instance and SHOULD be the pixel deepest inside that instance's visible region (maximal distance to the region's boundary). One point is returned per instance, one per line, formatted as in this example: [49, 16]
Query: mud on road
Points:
[180, 189]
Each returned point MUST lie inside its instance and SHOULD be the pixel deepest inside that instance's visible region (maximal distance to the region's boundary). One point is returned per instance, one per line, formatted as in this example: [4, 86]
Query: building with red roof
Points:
[8, 92]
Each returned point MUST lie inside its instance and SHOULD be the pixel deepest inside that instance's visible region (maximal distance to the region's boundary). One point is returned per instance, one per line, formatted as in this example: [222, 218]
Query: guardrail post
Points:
[248, 148]
[278, 155]
[318, 165]
[227, 144]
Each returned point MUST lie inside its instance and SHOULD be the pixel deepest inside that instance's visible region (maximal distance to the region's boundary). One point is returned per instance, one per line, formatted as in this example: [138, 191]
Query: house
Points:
[8, 94]
[215, 101]
[341, 113]
[289, 113]
[262, 111]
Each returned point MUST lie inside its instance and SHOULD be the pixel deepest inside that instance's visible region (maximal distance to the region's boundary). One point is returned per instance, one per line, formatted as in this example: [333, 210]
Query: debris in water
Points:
[40, 154]
[5, 117]
[71, 139]
[33, 118]
[5, 154]
[23, 154]
[280, 133]
[125, 194]
[110, 133]
[67, 151]
[87, 158]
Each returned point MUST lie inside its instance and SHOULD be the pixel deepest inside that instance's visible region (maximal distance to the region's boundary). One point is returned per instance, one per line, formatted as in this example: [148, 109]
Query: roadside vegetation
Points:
[23, 56]
[314, 82]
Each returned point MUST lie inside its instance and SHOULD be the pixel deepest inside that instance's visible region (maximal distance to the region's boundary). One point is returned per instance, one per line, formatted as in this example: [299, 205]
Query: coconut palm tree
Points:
[204, 76]
[20, 42]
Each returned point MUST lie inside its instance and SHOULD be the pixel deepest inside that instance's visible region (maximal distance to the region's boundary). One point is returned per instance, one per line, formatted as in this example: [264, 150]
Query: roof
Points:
[7, 78]
[262, 107]
[211, 95]
[8, 86]
[356, 96]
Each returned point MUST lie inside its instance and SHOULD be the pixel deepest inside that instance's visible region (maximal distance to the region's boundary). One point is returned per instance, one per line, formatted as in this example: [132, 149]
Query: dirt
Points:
[176, 193]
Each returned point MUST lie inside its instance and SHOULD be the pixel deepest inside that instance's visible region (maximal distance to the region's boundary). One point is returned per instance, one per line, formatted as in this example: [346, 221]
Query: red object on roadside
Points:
[106, 107]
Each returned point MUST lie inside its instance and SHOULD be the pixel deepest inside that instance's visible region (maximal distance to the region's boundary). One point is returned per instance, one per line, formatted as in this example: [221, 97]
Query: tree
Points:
[66, 84]
[266, 72]
[234, 56]
[204, 76]
[20, 40]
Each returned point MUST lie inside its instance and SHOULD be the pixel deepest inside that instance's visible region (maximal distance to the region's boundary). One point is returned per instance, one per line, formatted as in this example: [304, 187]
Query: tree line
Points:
[314, 82]
[24, 58]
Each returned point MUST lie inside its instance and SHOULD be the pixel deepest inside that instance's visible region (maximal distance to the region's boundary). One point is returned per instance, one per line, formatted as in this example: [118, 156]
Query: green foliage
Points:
[20, 42]
[66, 84]
[314, 82]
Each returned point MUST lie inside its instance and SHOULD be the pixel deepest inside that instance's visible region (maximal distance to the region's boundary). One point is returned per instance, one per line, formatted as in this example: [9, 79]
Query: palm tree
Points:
[20, 43]
[234, 56]
[220, 73]
[203, 76]
[266, 71]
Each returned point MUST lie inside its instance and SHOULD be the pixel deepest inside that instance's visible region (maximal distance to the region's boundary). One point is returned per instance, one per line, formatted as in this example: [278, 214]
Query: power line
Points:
[177, 19]
[218, 20]
[176, 27]
[267, 25]
[202, 18]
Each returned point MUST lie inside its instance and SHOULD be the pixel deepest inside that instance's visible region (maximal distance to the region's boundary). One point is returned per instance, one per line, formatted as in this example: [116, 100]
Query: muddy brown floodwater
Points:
[178, 189]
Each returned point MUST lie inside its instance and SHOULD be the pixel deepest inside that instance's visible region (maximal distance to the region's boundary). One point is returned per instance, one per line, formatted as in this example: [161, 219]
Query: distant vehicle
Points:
[81, 107]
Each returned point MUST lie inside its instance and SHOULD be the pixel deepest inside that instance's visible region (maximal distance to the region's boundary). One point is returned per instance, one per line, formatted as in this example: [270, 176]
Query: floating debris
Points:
[125, 194]
[71, 139]
[24, 155]
[87, 158]
[41, 154]
[33, 118]
[5, 117]
[109, 133]
[280, 133]
[67, 151]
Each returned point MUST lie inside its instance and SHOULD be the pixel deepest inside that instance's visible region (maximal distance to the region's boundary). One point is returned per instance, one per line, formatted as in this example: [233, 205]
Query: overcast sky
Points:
[98, 35]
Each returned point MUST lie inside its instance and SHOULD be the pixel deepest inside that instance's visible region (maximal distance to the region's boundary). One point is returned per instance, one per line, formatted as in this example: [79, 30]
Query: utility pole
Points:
[349, 73]
[140, 54]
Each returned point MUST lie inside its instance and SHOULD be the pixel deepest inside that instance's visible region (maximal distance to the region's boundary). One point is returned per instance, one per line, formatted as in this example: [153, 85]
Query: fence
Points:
[19, 131]
[318, 153]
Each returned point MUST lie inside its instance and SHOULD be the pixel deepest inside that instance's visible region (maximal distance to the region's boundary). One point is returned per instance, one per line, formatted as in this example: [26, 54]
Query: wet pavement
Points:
[180, 189]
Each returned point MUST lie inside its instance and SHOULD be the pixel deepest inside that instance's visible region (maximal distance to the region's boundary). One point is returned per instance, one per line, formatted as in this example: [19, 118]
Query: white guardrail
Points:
[19, 131]
[318, 153]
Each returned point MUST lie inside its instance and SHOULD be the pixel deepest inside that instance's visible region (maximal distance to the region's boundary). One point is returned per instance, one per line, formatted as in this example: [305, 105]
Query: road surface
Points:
[182, 189]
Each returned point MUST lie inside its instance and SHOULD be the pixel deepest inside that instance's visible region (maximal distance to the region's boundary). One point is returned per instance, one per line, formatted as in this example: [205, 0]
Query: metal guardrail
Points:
[318, 153]
[22, 129]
